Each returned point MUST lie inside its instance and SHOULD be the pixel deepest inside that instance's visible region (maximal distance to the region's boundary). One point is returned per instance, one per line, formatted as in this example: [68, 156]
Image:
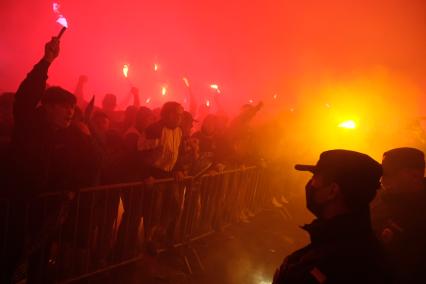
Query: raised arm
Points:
[32, 88]
[79, 91]
[136, 98]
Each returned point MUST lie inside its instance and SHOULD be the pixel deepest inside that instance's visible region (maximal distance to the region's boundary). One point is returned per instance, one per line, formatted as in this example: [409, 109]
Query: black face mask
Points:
[311, 204]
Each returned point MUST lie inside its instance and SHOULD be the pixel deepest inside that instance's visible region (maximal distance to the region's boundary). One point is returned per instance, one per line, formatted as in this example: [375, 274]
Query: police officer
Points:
[343, 247]
[399, 213]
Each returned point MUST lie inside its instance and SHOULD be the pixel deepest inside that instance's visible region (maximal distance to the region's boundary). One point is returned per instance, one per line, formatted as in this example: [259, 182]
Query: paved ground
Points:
[242, 253]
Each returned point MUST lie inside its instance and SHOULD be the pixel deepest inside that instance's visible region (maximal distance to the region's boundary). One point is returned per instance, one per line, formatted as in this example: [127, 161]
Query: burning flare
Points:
[61, 19]
[186, 81]
[125, 70]
[164, 91]
[215, 87]
[349, 124]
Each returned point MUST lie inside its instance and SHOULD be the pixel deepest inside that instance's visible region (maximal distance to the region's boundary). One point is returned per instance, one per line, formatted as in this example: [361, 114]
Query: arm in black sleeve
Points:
[192, 103]
[30, 92]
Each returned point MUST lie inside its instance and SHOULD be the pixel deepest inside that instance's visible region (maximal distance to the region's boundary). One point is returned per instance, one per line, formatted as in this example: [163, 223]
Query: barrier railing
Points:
[64, 237]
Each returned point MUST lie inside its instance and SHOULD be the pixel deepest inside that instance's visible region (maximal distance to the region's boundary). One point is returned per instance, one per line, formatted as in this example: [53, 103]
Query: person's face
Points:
[60, 115]
[143, 122]
[102, 124]
[221, 124]
[319, 193]
[187, 126]
[131, 114]
[109, 103]
[402, 180]
[209, 127]
[174, 118]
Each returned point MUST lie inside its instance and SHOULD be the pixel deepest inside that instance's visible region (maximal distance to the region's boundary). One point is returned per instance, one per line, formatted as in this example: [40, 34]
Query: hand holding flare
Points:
[61, 19]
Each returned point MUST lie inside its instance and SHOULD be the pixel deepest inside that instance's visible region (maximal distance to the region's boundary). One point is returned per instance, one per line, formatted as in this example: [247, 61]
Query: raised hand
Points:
[51, 50]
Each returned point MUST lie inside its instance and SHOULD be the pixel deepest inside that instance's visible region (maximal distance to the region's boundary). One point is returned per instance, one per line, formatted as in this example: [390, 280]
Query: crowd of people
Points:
[52, 140]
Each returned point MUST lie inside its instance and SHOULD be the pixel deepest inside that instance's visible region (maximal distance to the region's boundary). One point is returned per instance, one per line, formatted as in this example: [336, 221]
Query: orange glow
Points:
[356, 112]
[156, 67]
[148, 100]
[164, 91]
[208, 103]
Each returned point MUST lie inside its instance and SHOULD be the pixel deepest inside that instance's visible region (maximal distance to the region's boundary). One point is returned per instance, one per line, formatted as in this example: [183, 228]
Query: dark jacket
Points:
[400, 223]
[208, 144]
[342, 250]
[43, 159]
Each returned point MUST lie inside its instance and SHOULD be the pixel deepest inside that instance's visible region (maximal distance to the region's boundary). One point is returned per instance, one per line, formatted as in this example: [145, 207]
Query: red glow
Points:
[279, 47]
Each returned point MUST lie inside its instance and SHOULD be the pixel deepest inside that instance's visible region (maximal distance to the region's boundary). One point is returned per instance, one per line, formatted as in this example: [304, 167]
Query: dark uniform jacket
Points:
[400, 223]
[342, 250]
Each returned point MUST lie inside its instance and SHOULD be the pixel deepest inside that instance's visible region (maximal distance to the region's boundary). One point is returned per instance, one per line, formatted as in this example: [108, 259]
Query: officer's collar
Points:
[341, 227]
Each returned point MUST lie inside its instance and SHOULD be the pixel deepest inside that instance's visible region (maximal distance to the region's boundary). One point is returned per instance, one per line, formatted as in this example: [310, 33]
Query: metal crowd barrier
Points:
[63, 237]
